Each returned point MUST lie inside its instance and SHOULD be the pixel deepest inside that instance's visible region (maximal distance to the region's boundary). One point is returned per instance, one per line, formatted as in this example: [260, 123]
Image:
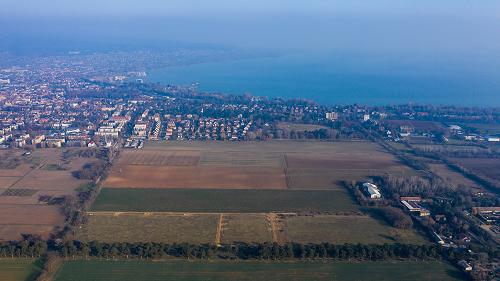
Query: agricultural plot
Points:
[147, 227]
[43, 172]
[278, 146]
[345, 229]
[135, 176]
[300, 127]
[245, 228]
[159, 158]
[331, 179]
[18, 171]
[6, 182]
[456, 178]
[48, 180]
[489, 167]
[19, 269]
[255, 270]
[252, 165]
[19, 192]
[242, 158]
[343, 161]
[34, 219]
[223, 201]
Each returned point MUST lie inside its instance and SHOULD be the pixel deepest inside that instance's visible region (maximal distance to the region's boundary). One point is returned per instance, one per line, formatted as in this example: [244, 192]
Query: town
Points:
[445, 182]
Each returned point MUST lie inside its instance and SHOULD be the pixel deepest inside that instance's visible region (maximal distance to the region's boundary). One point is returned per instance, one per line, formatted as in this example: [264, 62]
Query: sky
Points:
[460, 28]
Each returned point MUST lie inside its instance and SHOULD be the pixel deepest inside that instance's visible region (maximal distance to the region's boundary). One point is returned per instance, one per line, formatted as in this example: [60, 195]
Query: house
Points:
[372, 190]
[465, 265]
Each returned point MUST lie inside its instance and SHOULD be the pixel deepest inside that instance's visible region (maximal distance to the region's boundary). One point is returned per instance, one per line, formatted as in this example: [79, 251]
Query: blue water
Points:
[370, 80]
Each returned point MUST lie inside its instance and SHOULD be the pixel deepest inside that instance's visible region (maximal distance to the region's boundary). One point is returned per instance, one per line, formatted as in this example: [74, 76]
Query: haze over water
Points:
[331, 79]
[336, 51]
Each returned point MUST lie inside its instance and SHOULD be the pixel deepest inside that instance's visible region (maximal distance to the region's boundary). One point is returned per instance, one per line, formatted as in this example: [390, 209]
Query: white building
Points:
[332, 116]
[372, 190]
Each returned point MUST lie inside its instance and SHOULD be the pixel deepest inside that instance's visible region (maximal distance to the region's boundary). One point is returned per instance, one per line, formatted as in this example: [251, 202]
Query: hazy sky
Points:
[459, 27]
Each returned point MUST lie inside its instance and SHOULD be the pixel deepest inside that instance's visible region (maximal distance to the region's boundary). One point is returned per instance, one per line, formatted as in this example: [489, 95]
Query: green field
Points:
[276, 271]
[19, 269]
[222, 201]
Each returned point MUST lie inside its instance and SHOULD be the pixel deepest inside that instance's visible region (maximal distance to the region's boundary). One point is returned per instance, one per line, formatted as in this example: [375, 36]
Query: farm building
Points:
[372, 190]
[414, 207]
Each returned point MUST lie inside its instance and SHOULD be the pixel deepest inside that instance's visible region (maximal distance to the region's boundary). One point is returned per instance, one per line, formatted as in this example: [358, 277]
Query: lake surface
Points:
[371, 80]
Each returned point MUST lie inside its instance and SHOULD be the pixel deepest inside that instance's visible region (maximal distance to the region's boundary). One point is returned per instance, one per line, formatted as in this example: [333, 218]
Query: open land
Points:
[27, 177]
[241, 192]
[222, 200]
[19, 269]
[299, 126]
[149, 227]
[345, 229]
[226, 228]
[489, 167]
[456, 178]
[251, 165]
[223, 270]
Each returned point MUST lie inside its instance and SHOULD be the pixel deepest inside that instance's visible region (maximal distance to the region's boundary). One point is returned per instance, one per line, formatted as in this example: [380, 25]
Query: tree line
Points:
[244, 251]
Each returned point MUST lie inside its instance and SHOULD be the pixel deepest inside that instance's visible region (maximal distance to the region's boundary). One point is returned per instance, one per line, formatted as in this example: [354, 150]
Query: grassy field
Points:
[276, 271]
[19, 269]
[166, 228]
[345, 229]
[223, 201]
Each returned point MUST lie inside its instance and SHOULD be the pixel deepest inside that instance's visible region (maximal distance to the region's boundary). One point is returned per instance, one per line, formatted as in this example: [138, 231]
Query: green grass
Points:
[223, 201]
[276, 271]
[19, 269]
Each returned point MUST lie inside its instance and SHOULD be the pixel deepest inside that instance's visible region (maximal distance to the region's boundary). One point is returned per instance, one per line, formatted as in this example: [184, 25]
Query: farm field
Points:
[222, 200]
[19, 269]
[135, 176]
[251, 165]
[226, 228]
[159, 158]
[23, 179]
[276, 271]
[345, 229]
[245, 228]
[299, 126]
[489, 167]
[168, 228]
[456, 178]
[492, 129]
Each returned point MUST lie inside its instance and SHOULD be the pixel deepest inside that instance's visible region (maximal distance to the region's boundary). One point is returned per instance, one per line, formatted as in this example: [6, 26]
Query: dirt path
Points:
[218, 234]
[273, 218]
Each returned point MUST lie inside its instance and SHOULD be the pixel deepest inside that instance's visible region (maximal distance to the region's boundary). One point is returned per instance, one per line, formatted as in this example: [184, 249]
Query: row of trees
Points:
[396, 217]
[91, 171]
[266, 251]
[29, 247]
